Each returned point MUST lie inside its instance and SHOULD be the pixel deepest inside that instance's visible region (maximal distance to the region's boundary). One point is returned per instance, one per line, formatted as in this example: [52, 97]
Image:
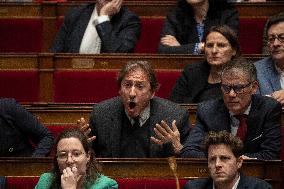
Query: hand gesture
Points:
[166, 134]
[110, 8]
[279, 96]
[70, 178]
[244, 157]
[170, 41]
[85, 128]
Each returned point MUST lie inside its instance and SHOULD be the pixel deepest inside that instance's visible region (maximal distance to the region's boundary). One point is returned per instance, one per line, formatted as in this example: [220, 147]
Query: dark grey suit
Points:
[17, 128]
[245, 182]
[119, 35]
[263, 139]
[106, 125]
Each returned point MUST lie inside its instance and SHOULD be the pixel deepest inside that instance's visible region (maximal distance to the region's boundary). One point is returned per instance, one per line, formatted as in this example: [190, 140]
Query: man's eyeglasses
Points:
[279, 37]
[75, 155]
[236, 88]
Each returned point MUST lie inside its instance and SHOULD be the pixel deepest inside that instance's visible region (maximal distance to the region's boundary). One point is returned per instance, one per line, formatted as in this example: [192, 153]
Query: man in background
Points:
[270, 70]
[254, 118]
[102, 27]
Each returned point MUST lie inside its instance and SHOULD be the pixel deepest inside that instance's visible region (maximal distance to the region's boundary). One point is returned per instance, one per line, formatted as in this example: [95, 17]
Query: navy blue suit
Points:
[17, 128]
[119, 35]
[263, 140]
[245, 182]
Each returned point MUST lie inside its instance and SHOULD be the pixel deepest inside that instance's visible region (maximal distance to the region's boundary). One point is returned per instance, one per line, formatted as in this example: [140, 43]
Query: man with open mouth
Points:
[137, 124]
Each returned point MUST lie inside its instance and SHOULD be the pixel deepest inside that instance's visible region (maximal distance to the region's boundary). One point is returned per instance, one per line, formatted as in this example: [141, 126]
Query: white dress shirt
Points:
[91, 42]
[281, 76]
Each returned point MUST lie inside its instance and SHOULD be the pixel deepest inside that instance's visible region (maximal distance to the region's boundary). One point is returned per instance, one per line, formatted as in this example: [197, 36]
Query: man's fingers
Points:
[166, 127]
[85, 127]
[81, 121]
[161, 129]
[118, 3]
[282, 102]
[157, 141]
[159, 134]
[91, 139]
[88, 131]
[174, 126]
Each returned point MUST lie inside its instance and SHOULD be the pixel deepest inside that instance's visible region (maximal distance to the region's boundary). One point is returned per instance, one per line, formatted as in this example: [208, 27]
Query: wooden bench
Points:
[60, 77]
[40, 22]
[145, 168]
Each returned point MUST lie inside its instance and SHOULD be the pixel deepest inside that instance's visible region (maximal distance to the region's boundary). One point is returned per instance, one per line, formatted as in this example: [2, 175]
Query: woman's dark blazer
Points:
[181, 24]
[191, 82]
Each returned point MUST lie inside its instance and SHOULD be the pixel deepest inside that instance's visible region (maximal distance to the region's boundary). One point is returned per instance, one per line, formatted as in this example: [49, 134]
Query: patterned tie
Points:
[242, 129]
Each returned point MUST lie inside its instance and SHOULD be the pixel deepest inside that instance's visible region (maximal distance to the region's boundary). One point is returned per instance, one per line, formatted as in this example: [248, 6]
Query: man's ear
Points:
[239, 162]
[255, 86]
[119, 91]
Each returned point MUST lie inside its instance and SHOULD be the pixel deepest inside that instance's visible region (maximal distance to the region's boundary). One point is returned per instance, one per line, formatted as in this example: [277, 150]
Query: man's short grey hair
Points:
[243, 65]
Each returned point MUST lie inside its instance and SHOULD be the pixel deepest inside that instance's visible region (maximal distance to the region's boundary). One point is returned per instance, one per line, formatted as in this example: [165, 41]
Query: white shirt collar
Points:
[246, 111]
[281, 76]
[235, 185]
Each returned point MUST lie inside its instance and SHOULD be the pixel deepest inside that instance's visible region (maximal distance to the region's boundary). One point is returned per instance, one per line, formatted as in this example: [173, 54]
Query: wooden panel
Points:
[144, 168]
[51, 62]
[20, 10]
[47, 64]
[116, 61]
[161, 8]
[141, 8]
[50, 12]
[19, 61]
[68, 114]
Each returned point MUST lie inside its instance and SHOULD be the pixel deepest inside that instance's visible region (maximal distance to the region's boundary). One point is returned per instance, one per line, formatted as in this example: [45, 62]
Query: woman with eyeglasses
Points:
[74, 165]
[200, 81]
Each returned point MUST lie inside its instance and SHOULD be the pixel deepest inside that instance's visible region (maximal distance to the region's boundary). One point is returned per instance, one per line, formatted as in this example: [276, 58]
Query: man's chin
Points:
[220, 179]
[234, 109]
[278, 57]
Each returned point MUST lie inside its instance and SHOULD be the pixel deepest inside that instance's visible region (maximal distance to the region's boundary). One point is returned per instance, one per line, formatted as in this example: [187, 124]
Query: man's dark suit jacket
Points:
[106, 125]
[246, 182]
[119, 35]
[191, 83]
[263, 139]
[181, 24]
[17, 128]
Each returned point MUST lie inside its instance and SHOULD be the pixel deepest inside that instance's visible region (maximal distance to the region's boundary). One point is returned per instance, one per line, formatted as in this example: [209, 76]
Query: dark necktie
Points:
[136, 122]
[242, 129]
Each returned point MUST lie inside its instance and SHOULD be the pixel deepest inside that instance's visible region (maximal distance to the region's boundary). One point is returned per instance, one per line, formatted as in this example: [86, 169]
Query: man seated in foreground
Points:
[253, 118]
[224, 154]
[130, 126]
